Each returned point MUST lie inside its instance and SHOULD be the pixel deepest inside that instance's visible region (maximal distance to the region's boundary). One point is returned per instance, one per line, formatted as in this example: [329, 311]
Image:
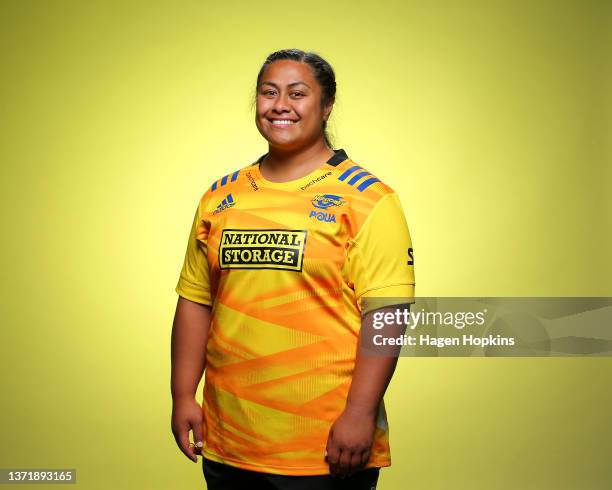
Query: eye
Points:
[297, 93]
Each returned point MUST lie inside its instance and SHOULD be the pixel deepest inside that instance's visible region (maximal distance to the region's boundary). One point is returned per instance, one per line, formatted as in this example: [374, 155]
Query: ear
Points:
[328, 110]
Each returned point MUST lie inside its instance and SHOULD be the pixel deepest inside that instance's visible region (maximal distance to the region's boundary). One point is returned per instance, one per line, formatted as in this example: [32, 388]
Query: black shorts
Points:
[220, 476]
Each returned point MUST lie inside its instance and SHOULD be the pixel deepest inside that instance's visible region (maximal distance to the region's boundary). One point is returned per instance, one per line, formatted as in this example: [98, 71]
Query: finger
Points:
[183, 442]
[365, 457]
[333, 456]
[344, 463]
[331, 451]
[328, 445]
[334, 468]
[196, 429]
[355, 463]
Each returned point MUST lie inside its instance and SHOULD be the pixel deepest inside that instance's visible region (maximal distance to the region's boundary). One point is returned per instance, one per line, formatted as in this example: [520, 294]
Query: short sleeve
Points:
[194, 279]
[380, 257]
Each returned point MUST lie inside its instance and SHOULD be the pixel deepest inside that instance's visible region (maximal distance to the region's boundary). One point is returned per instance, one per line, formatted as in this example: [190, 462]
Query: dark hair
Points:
[322, 70]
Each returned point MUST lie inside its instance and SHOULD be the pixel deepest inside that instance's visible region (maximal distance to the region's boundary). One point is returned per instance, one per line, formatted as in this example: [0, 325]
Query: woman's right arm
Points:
[188, 361]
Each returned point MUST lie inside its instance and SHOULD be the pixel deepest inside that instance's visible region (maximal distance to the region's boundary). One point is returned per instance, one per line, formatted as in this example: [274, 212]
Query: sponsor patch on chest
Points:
[262, 249]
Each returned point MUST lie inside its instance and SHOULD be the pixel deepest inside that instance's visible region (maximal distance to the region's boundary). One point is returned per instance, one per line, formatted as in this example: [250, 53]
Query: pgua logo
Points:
[324, 201]
[321, 216]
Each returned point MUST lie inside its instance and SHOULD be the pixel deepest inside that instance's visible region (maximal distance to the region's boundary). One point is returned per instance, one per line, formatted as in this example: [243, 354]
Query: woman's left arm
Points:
[352, 434]
[380, 268]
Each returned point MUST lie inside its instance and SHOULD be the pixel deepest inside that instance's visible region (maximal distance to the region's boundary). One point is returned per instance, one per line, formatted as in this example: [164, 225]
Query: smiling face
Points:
[289, 113]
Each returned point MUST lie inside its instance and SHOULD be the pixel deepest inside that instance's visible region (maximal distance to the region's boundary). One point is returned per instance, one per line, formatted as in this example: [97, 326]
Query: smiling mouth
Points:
[282, 122]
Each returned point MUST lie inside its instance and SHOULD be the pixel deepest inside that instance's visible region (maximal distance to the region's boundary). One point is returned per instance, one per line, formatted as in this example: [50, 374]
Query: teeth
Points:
[283, 121]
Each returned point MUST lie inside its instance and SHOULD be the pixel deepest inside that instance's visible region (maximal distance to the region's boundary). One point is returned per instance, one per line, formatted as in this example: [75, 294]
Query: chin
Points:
[275, 140]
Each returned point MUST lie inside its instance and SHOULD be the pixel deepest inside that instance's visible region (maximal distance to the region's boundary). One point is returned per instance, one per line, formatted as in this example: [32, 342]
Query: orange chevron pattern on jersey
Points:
[285, 317]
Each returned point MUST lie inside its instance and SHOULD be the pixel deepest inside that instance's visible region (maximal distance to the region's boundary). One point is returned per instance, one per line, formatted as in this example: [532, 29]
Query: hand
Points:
[349, 442]
[186, 416]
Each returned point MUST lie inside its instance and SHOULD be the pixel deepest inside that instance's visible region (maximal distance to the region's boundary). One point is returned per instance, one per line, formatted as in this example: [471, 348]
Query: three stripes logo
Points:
[357, 173]
[223, 181]
[227, 202]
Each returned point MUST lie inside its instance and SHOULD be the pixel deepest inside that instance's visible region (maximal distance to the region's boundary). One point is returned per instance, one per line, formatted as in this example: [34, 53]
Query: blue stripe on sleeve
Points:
[357, 177]
[366, 183]
[348, 172]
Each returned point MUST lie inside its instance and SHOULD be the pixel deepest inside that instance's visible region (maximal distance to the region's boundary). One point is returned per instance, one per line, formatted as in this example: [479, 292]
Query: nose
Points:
[281, 104]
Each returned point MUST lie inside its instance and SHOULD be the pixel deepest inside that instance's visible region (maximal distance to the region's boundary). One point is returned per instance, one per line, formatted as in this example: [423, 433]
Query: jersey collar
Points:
[336, 159]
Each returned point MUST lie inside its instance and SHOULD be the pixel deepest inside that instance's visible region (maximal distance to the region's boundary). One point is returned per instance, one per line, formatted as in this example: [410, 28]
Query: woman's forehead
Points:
[288, 72]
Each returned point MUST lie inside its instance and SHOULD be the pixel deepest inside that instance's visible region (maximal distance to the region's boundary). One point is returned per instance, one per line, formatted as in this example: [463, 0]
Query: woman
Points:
[282, 256]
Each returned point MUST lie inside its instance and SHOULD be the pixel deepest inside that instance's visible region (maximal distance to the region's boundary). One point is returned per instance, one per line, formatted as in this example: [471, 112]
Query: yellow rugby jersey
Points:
[284, 266]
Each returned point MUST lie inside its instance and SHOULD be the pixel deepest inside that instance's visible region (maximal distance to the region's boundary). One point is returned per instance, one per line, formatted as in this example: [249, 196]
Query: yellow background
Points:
[490, 119]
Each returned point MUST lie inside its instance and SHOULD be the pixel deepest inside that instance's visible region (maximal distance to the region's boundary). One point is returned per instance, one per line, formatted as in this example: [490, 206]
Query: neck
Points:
[282, 164]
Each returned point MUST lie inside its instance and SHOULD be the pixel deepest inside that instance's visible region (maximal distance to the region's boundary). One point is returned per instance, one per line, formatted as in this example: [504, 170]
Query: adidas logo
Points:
[227, 202]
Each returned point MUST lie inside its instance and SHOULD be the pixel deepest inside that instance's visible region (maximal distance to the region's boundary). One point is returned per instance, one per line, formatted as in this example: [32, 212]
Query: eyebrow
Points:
[290, 85]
